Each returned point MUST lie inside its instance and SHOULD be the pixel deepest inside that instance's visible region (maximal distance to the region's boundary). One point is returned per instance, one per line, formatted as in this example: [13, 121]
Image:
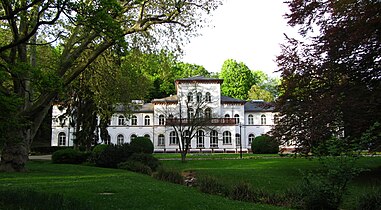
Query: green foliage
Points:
[370, 200]
[135, 166]
[332, 147]
[97, 150]
[146, 159]
[325, 188]
[142, 145]
[169, 175]
[257, 93]
[69, 156]
[211, 185]
[264, 144]
[29, 199]
[112, 155]
[238, 79]
[371, 138]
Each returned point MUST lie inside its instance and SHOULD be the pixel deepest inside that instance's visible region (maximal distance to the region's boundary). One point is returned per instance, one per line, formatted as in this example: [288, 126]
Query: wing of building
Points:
[226, 119]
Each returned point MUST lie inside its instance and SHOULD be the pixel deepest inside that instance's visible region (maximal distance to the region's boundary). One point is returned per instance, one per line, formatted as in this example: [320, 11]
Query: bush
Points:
[70, 156]
[97, 150]
[112, 155]
[135, 166]
[142, 145]
[211, 185]
[147, 159]
[370, 200]
[242, 192]
[264, 144]
[169, 175]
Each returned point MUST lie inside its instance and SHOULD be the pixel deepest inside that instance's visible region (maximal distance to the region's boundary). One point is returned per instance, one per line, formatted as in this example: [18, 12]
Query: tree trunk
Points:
[14, 154]
[19, 137]
[183, 156]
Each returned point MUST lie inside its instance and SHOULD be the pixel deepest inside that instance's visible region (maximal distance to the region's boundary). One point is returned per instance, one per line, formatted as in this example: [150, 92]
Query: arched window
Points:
[198, 113]
[170, 116]
[236, 117]
[200, 139]
[108, 139]
[173, 138]
[186, 135]
[263, 119]
[190, 97]
[251, 138]
[237, 139]
[199, 97]
[227, 116]
[208, 113]
[61, 139]
[133, 136]
[147, 136]
[190, 113]
[161, 140]
[251, 119]
[213, 139]
[161, 119]
[227, 137]
[120, 139]
[208, 97]
[121, 120]
[147, 120]
[134, 120]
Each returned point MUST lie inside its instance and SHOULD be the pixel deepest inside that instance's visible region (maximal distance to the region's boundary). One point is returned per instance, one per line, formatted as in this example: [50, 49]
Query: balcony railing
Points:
[204, 121]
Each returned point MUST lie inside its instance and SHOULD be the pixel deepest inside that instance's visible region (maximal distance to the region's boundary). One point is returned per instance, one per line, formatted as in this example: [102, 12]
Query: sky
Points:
[248, 31]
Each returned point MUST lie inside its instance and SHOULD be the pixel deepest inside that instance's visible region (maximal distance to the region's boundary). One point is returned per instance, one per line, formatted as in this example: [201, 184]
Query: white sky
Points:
[249, 31]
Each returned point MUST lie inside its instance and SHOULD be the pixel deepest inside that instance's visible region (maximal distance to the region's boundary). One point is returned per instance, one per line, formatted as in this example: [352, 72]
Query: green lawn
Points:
[277, 174]
[115, 189]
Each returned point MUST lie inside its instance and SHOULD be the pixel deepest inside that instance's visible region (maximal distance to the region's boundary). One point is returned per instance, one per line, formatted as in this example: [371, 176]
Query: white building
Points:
[228, 119]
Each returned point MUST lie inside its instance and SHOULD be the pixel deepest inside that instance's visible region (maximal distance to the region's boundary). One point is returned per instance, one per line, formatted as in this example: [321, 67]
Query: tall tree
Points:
[86, 29]
[238, 79]
[332, 83]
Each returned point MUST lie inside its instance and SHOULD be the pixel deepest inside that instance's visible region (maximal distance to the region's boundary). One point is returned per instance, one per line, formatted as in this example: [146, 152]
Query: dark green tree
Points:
[331, 84]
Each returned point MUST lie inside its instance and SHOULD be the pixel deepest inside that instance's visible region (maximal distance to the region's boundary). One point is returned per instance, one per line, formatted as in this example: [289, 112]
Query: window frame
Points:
[62, 139]
[227, 138]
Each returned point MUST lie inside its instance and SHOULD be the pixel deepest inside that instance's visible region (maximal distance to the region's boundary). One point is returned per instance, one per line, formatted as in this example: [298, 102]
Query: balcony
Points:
[202, 121]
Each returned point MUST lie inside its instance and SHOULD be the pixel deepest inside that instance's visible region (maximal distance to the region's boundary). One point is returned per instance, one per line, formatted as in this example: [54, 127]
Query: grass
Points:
[277, 174]
[103, 188]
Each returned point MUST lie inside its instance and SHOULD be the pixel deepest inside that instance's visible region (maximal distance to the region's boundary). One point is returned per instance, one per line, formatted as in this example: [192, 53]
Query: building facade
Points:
[228, 123]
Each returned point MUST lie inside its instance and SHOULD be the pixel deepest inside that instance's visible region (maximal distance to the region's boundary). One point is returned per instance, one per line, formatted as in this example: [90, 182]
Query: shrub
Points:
[70, 156]
[142, 145]
[97, 150]
[264, 144]
[211, 185]
[45, 150]
[147, 159]
[112, 155]
[135, 166]
[370, 200]
[169, 175]
[242, 192]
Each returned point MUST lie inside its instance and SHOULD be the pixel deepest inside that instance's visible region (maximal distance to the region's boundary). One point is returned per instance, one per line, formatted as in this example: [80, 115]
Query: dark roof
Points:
[259, 106]
[200, 79]
[146, 108]
[169, 99]
[227, 99]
